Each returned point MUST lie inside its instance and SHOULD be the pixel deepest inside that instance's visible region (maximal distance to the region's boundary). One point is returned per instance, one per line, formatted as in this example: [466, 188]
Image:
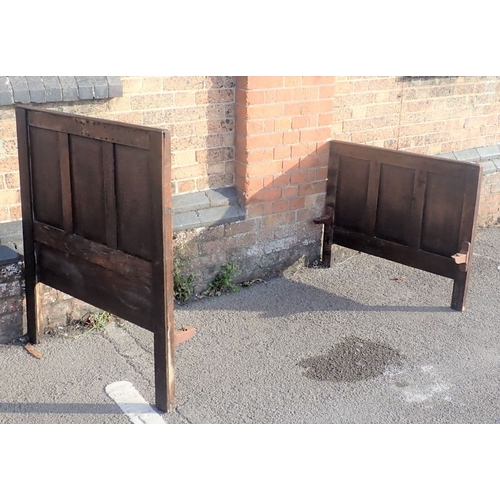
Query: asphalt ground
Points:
[367, 341]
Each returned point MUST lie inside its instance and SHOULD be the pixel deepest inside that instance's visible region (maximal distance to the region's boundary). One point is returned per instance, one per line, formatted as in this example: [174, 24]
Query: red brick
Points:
[254, 126]
[264, 82]
[282, 152]
[291, 137]
[283, 95]
[281, 180]
[256, 210]
[281, 124]
[318, 80]
[326, 91]
[299, 150]
[290, 192]
[298, 177]
[281, 206]
[15, 212]
[325, 119]
[322, 173]
[299, 122]
[312, 188]
[291, 109]
[297, 203]
[313, 161]
[263, 169]
[319, 106]
[261, 141]
[264, 195]
[314, 135]
[293, 81]
[254, 184]
[289, 165]
[264, 111]
[250, 97]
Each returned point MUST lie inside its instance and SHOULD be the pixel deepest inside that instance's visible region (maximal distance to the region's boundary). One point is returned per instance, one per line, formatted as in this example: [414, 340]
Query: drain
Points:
[351, 360]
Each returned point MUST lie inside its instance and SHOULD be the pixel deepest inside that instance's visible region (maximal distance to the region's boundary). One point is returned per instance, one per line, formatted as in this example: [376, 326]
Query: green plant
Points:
[223, 281]
[98, 321]
[183, 283]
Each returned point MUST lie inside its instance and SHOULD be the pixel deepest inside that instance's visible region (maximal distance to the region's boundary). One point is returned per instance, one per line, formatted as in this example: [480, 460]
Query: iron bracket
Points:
[462, 258]
[326, 218]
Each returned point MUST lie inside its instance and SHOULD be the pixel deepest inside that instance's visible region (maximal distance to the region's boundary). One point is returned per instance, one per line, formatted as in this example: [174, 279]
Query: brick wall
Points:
[282, 125]
[267, 136]
[422, 115]
[198, 111]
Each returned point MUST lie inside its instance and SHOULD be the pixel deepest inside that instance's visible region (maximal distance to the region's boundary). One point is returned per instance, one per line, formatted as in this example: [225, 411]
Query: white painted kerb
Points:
[126, 396]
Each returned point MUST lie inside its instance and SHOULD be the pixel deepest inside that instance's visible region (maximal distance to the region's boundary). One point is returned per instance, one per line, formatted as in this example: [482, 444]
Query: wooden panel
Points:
[442, 214]
[125, 297]
[395, 252]
[352, 189]
[96, 128]
[394, 203]
[101, 255]
[414, 209]
[88, 188]
[46, 177]
[402, 159]
[133, 202]
[104, 230]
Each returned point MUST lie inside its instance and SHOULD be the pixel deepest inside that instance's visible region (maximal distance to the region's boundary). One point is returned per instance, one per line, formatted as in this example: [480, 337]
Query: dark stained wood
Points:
[467, 233]
[442, 214]
[97, 222]
[331, 195]
[414, 209]
[395, 202]
[95, 128]
[45, 177]
[161, 210]
[122, 296]
[417, 209]
[108, 166]
[396, 252]
[352, 189]
[67, 204]
[87, 181]
[134, 202]
[403, 159]
[30, 278]
[372, 198]
[93, 252]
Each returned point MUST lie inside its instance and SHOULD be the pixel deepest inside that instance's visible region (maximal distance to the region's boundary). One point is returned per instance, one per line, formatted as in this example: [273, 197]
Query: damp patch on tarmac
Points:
[351, 360]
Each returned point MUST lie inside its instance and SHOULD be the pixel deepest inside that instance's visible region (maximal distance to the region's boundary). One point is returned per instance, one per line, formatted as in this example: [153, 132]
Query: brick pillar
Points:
[282, 125]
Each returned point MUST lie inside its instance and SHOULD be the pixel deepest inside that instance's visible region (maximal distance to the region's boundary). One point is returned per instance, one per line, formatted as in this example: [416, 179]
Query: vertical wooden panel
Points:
[88, 191]
[417, 209]
[372, 198]
[67, 203]
[25, 175]
[46, 177]
[395, 203]
[467, 233]
[108, 166]
[134, 202]
[162, 250]
[352, 188]
[442, 214]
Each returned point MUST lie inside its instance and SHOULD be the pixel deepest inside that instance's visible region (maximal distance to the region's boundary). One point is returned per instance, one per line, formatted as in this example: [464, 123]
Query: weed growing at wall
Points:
[223, 281]
[183, 282]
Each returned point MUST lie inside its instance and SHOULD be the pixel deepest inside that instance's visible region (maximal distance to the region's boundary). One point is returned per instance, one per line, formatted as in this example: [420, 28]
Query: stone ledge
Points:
[488, 157]
[42, 89]
[209, 208]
